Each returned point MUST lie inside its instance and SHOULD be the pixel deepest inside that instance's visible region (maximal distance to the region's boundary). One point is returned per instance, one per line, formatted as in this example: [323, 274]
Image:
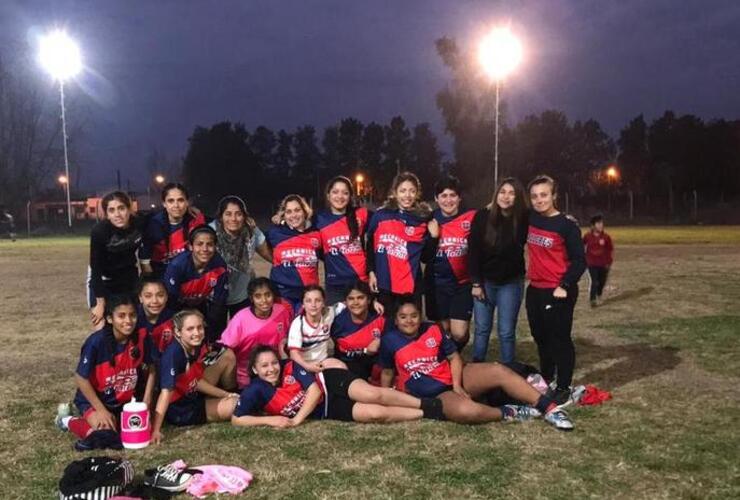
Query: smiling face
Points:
[262, 301]
[313, 303]
[176, 204]
[203, 248]
[408, 319]
[192, 333]
[294, 215]
[505, 197]
[267, 367]
[339, 197]
[233, 219]
[117, 213]
[406, 194]
[449, 202]
[153, 298]
[358, 304]
[123, 321]
[543, 199]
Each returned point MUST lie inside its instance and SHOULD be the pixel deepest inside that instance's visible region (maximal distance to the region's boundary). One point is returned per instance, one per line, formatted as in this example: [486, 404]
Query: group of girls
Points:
[217, 343]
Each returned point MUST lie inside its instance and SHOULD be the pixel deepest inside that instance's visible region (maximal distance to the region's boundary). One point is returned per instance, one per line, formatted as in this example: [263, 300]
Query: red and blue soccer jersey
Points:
[180, 372]
[397, 238]
[161, 333]
[187, 287]
[451, 260]
[555, 251]
[115, 382]
[344, 258]
[164, 241]
[351, 338]
[420, 362]
[285, 399]
[295, 259]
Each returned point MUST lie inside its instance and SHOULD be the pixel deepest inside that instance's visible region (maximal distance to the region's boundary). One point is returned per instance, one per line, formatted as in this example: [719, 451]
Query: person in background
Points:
[599, 257]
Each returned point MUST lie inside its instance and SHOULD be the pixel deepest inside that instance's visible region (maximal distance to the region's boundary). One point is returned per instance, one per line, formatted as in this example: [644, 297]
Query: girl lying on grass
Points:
[195, 381]
[111, 361]
[284, 394]
[427, 364]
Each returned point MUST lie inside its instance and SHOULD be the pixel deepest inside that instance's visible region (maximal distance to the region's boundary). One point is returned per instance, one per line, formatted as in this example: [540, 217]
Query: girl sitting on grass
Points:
[284, 394]
[108, 372]
[195, 382]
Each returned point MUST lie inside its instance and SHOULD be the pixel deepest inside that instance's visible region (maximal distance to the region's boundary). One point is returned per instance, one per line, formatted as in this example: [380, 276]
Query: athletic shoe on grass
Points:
[519, 413]
[63, 411]
[567, 397]
[559, 419]
[169, 478]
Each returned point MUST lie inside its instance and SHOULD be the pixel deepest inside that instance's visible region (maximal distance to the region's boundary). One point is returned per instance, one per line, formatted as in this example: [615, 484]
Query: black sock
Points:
[543, 404]
[432, 408]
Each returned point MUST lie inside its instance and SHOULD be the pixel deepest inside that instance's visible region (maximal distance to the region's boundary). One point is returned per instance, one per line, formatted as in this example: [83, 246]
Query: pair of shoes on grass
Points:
[557, 417]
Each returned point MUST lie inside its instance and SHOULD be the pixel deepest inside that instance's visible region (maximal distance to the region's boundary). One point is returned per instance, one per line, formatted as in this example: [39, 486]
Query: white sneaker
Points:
[559, 419]
[63, 411]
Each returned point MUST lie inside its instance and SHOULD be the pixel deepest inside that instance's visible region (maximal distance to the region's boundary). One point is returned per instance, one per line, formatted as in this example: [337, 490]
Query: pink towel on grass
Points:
[216, 479]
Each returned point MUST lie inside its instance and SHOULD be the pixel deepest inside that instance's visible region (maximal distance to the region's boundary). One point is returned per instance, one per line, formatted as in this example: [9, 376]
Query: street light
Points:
[359, 179]
[159, 179]
[500, 52]
[611, 175]
[60, 57]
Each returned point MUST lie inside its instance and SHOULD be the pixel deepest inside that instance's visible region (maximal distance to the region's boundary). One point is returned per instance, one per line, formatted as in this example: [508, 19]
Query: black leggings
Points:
[551, 322]
[598, 280]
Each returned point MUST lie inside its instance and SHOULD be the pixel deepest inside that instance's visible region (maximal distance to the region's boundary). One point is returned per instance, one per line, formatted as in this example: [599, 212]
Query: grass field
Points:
[665, 344]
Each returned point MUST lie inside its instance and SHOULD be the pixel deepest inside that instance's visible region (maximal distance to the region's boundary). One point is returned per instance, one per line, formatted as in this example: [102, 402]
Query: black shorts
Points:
[445, 302]
[190, 411]
[362, 366]
[336, 382]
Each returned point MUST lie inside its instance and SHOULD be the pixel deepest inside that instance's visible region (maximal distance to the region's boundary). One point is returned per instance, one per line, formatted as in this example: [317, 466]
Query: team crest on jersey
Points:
[409, 230]
[280, 327]
[465, 224]
[315, 242]
[172, 281]
[212, 282]
[376, 333]
[290, 379]
[431, 343]
[172, 372]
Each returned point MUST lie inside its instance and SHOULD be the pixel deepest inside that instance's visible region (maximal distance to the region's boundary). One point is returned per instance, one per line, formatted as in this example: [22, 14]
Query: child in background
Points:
[599, 256]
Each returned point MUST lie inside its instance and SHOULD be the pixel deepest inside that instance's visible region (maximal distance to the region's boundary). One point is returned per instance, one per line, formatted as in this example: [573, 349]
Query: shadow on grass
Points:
[628, 362]
[629, 294]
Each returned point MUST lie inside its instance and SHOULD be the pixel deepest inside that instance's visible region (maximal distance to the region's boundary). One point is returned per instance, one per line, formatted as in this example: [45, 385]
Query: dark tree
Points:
[331, 157]
[371, 156]
[283, 158]
[307, 157]
[634, 157]
[350, 145]
[263, 143]
[426, 158]
[397, 153]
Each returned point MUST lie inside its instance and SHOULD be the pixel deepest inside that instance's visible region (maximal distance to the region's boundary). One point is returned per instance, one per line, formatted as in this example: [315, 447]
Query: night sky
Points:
[155, 70]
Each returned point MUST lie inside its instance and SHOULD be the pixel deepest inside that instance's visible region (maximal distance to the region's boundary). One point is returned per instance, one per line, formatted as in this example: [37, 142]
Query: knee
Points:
[375, 414]
[228, 359]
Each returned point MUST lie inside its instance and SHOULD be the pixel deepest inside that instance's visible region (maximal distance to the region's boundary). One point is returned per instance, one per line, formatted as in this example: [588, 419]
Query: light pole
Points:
[611, 174]
[64, 182]
[499, 53]
[359, 179]
[60, 57]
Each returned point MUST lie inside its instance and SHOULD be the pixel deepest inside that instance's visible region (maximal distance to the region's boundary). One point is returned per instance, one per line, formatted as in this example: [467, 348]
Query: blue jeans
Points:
[508, 299]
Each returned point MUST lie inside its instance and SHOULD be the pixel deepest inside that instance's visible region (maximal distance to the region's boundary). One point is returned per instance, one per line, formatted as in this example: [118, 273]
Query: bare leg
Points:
[479, 378]
[220, 409]
[460, 330]
[362, 392]
[333, 363]
[223, 372]
[372, 413]
[462, 410]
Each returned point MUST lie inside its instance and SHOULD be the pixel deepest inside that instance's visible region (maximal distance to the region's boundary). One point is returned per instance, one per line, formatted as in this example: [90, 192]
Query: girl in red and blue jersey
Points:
[556, 262]
[111, 361]
[114, 243]
[356, 332]
[426, 364]
[195, 382]
[167, 232]
[284, 394]
[448, 293]
[198, 278]
[153, 317]
[296, 247]
[342, 227]
[396, 238]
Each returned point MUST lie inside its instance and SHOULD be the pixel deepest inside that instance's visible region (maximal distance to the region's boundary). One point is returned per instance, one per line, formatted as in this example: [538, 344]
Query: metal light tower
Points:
[60, 57]
[500, 53]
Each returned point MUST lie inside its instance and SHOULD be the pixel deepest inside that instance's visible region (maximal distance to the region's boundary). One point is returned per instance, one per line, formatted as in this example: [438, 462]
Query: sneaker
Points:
[559, 419]
[63, 411]
[567, 397]
[519, 413]
[169, 478]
